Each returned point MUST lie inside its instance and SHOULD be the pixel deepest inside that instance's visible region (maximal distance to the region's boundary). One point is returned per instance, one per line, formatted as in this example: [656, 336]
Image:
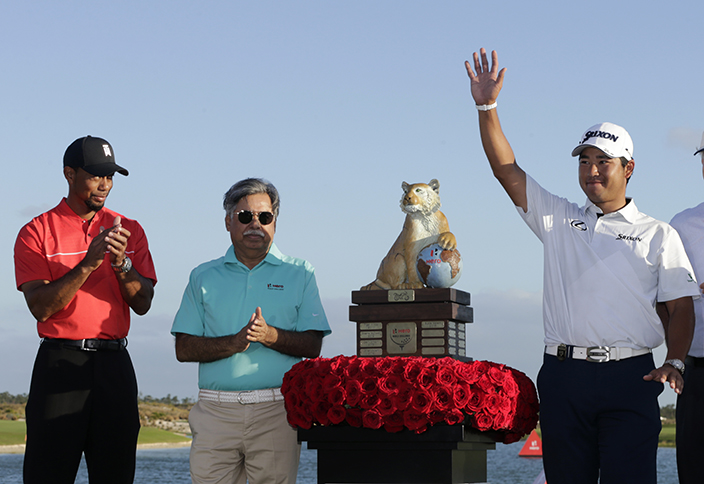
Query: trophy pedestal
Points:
[442, 454]
[412, 322]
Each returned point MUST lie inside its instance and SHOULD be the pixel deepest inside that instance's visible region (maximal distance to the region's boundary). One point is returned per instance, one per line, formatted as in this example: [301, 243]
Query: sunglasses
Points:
[245, 216]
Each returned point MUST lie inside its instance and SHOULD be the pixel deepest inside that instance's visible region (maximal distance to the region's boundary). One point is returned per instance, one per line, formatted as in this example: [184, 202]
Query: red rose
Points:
[436, 416]
[384, 366]
[442, 398]
[337, 395]
[369, 386]
[320, 412]
[340, 363]
[369, 401]
[412, 370]
[390, 384]
[337, 414]
[394, 422]
[367, 367]
[372, 419]
[330, 381]
[403, 398]
[354, 417]
[300, 419]
[386, 406]
[482, 421]
[476, 401]
[445, 374]
[498, 374]
[421, 402]
[352, 369]
[353, 389]
[461, 394]
[454, 417]
[491, 404]
[510, 388]
[426, 378]
[415, 421]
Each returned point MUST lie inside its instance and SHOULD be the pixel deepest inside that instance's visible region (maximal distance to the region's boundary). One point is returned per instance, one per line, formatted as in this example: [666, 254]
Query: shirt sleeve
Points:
[190, 316]
[311, 315]
[676, 277]
[30, 261]
[543, 208]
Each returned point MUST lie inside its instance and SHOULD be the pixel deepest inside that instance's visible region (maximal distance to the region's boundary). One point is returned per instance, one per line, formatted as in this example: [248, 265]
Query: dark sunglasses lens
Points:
[244, 216]
[265, 218]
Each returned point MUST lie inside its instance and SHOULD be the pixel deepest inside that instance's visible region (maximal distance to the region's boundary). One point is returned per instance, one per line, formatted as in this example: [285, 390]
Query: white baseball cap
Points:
[701, 147]
[609, 138]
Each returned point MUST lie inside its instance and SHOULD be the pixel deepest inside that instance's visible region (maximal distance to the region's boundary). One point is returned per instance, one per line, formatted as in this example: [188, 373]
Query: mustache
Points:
[258, 232]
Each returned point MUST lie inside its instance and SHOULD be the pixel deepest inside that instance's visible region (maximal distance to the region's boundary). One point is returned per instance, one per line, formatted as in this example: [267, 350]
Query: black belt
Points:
[692, 361]
[88, 344]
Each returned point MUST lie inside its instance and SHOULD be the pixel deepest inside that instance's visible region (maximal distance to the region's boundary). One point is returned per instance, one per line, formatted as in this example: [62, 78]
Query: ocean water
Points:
[157, 466]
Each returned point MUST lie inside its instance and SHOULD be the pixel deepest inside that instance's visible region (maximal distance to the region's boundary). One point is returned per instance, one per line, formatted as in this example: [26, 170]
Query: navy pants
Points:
[690, 424]
[81, 402]
[600, 421]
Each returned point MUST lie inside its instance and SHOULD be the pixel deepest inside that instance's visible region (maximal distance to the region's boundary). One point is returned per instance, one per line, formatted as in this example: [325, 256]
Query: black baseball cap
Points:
[94, 155]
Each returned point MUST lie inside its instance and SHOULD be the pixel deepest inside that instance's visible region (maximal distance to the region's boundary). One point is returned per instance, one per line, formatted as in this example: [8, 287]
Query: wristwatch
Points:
[126, 266]
[676, 364]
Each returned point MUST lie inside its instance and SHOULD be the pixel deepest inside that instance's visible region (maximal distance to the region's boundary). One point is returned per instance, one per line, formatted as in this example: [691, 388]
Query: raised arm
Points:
[485, 86]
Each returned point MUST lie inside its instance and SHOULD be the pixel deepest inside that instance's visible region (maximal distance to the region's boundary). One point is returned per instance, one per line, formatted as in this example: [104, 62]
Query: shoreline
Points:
[19, 448]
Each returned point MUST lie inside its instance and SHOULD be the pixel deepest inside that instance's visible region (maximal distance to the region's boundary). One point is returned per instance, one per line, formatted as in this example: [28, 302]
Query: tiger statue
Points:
[425, 224]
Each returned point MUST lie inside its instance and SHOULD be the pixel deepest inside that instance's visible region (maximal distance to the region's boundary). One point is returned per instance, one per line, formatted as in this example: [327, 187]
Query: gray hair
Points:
[247, 187]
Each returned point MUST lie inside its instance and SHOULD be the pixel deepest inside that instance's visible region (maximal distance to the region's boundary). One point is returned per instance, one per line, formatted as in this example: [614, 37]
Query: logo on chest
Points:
[629, 238]
[578, 225]
[275, 287]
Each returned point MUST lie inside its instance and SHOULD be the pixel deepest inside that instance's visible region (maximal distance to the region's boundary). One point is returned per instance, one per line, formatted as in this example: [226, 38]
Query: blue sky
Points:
[337, 103]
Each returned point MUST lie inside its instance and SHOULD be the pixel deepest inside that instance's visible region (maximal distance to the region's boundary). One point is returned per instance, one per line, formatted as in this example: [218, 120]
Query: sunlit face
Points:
[603, 179]
[87, 189]
[253, 240]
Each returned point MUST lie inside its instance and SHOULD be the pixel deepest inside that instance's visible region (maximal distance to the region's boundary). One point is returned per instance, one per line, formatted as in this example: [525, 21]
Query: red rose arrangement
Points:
[397, 393]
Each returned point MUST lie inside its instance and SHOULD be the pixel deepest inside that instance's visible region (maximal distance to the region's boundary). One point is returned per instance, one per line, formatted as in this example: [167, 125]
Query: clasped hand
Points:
[112, 241]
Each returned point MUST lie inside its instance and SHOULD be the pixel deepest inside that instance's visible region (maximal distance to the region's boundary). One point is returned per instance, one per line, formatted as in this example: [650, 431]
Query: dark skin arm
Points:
[45, 298]
[202, 349]
[677, 318]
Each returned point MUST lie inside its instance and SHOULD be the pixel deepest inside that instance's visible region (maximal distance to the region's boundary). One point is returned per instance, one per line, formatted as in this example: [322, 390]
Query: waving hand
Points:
[486, 83]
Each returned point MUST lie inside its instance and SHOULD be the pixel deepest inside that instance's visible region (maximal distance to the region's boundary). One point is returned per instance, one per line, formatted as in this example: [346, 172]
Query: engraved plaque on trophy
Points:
[412, 322]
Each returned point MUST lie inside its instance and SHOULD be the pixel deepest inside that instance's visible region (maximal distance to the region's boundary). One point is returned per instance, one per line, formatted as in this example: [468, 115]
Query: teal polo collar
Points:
[273, 257]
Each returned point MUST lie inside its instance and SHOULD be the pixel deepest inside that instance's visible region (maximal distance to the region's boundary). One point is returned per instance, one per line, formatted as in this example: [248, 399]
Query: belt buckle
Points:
[562, 352]
[83, 346]
[598, 354]
[239, 397]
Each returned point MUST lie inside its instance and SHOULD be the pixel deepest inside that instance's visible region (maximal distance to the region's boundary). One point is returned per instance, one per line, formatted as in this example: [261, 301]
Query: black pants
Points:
[690, 424]
[600, 421]
[81, 402]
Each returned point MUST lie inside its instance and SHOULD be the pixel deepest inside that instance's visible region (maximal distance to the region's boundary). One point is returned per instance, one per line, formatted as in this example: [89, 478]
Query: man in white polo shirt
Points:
[247, 318]
[690, 403]
[606, 265]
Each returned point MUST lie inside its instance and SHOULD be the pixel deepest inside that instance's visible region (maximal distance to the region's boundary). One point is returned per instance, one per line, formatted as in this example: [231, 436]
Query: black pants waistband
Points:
[88, 344]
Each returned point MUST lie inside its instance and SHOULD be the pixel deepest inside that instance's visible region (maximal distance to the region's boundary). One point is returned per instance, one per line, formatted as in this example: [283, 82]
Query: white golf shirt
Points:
[604, 274]
[690, 225]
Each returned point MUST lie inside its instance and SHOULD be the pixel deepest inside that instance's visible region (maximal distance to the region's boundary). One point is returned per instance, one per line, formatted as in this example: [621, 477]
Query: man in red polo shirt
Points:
[81, 268]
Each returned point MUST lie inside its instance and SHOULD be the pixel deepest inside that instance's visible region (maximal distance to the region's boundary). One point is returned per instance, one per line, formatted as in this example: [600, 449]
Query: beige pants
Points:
[233, 443]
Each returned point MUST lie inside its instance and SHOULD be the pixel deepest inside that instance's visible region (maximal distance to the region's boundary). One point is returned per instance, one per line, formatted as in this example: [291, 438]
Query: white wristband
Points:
[486, 107]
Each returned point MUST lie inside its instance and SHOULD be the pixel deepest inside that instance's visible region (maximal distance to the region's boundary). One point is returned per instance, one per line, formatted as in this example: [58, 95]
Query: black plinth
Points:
[442, 454]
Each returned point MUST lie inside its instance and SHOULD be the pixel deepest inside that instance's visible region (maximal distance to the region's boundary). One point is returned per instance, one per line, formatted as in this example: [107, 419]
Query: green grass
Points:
[12, 433]
[152, 435]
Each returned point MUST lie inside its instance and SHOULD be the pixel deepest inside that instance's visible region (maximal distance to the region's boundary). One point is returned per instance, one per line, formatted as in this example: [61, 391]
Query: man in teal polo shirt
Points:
[246, 318]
